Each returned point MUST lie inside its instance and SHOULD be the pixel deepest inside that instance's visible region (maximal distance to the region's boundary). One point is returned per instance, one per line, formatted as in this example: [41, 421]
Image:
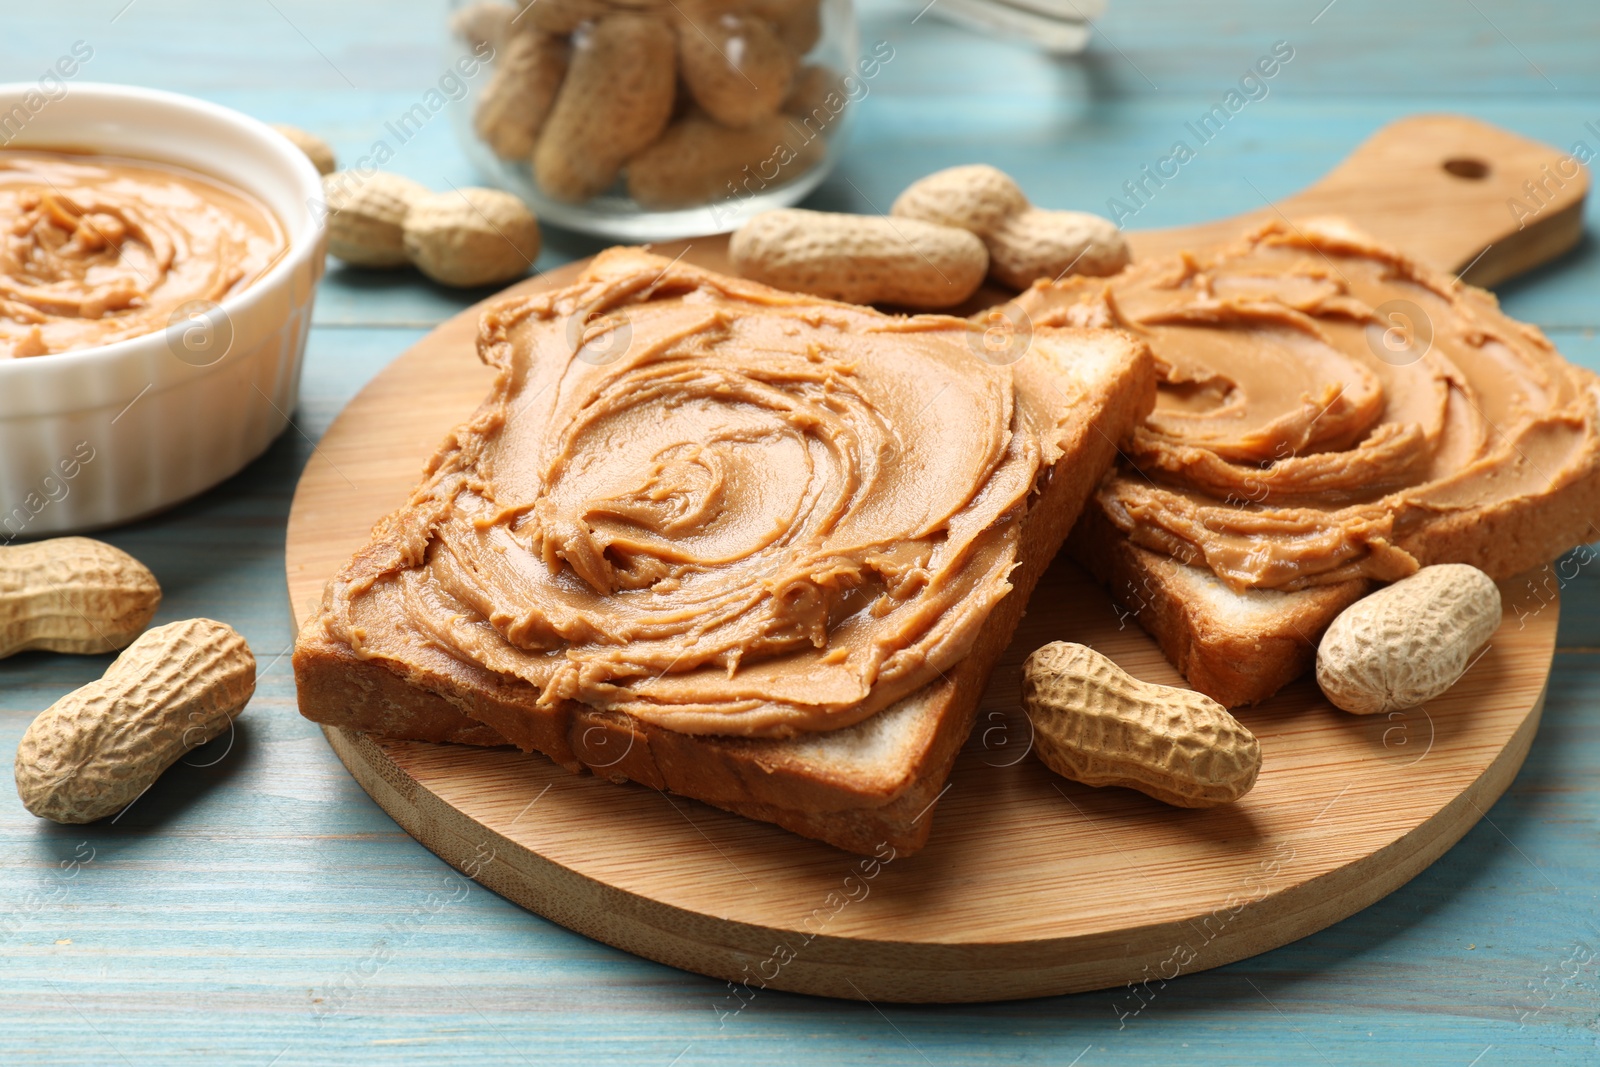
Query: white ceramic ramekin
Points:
[102, 435]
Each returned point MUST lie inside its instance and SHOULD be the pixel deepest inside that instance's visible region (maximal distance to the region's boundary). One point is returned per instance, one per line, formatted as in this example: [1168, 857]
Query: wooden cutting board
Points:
[1031, 884]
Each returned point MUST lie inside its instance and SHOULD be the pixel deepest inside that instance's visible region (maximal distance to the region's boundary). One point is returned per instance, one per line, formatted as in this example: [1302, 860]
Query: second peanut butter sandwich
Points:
[1332, 415]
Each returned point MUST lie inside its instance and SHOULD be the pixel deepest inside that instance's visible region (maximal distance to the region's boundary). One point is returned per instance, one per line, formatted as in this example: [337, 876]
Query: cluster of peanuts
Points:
[1394, 649]
[464, 238]
[944, 235]
[173, 688]
[683, 96]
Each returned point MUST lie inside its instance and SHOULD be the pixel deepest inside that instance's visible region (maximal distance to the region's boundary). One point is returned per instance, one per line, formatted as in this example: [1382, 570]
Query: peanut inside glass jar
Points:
[97, 249]
[649, 119]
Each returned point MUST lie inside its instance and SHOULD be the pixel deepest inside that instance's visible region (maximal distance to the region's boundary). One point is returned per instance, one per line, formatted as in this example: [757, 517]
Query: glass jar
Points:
[647, 120]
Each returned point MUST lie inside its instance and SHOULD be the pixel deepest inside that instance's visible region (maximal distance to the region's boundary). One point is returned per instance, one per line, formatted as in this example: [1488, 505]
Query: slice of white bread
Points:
[855, 787]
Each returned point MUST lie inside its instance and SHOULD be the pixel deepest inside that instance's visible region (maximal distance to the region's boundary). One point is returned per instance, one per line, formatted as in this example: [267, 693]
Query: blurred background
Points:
[1072, 129]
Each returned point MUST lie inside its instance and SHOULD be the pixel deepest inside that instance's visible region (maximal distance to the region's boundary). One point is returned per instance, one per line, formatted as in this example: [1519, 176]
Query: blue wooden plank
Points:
[1490, 49]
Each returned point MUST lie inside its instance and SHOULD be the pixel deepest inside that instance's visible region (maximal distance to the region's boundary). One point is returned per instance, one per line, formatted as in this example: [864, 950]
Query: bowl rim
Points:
[308, 245]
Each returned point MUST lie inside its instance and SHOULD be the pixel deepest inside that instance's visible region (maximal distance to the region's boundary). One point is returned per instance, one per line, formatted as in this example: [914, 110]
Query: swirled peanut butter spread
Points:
[710, 505]
[97, 249]
[1327, 404]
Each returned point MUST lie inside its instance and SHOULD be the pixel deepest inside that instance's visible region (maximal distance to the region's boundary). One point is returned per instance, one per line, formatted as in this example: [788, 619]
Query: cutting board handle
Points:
[1459, 194]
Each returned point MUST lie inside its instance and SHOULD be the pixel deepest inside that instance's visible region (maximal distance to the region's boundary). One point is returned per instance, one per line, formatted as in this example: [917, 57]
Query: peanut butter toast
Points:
[758, 549]
[1332, 414]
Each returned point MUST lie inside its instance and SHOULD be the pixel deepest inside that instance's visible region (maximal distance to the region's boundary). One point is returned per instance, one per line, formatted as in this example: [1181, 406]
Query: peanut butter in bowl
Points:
[99, 249]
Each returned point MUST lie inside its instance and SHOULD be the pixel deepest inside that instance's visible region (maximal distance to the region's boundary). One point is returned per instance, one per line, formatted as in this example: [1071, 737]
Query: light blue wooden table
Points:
[261, 910]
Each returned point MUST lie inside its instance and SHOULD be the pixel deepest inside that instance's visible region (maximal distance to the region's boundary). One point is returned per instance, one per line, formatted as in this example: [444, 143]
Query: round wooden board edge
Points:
[855, 968]
[858, 968]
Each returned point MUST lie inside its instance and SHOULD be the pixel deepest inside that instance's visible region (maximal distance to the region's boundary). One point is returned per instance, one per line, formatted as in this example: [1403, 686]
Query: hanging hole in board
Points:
[1471, 169]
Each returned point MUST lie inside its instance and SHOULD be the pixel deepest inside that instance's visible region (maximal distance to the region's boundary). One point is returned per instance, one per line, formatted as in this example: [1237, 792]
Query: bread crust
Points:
[1238, 663]
[1232, 663]
[1516, 535]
